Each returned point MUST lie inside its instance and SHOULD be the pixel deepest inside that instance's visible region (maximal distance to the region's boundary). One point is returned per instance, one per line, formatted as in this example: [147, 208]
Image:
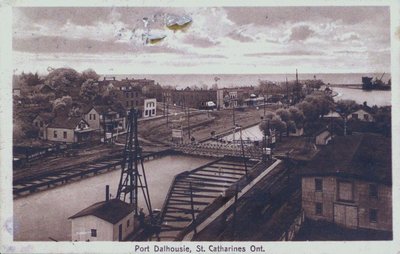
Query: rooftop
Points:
[365, 156]
[112, 211]
[65, 122]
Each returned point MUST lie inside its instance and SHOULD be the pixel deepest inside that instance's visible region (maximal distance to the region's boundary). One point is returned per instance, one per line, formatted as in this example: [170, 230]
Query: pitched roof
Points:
[365, 156]
[112, 211]
[65, 122]
[47, 117]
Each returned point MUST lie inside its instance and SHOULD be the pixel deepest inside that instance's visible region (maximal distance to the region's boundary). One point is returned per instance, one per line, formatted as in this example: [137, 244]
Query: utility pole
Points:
[243, 155]
[192, 206]
[188, 119]
[234, 211]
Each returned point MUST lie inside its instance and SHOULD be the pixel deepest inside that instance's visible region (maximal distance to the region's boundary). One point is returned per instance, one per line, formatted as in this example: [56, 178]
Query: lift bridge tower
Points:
[133, 176]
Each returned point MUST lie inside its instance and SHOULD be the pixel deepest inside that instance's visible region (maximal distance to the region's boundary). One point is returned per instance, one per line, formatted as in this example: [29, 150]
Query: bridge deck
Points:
[191, 192]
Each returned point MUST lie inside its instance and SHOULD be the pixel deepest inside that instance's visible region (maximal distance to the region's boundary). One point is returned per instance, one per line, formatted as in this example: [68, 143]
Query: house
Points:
[109, 220]
[150, 107]
[69, 129]
[106, 118]
[41, 121]
[323, 136]
[45, 89]
[361, 115]
[349, 183]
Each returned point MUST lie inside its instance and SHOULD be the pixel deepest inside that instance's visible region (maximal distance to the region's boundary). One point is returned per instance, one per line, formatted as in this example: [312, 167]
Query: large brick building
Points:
[349, 183]
[189, 97]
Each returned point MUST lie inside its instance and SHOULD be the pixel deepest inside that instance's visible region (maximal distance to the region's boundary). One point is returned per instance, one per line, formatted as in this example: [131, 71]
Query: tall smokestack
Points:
[107, 192]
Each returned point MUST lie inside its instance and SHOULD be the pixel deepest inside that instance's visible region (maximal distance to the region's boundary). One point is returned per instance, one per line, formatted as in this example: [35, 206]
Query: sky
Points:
[228, 40]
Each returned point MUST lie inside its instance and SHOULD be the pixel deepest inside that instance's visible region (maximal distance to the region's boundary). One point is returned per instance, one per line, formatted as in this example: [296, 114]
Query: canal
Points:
[45, 214]
[375, 97]
[252, 133]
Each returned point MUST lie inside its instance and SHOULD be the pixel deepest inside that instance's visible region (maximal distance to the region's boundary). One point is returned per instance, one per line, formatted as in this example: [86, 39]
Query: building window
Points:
[65, 134]
[55, 134]
[354, 116]
[345, 191]
[37, 124]
[318, 208]
[146, 112]
[127, 223]
[153, 112]
[373, 191]
[366, 117]
[41, 124]
[93, 232]
[127, 103]
[373, 215]
[318, 184]
[94, 116]
[90, 116]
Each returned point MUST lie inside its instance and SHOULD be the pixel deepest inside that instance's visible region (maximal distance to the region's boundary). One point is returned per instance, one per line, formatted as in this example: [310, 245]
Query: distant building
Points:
[349, 183]
[233, 97]
[41, 121]
[129, 94]
[69, 130]
[192, 98]
[150, 108]
[361, 115]
[110, 220]
[17, 91]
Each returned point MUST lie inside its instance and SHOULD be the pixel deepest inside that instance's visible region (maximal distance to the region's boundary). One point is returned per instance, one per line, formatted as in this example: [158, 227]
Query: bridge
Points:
[191, 192]
[219, 150]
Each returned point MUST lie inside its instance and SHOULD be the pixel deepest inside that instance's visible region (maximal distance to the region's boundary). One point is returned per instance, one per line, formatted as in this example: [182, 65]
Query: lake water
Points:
[45, 214]
[376, 97]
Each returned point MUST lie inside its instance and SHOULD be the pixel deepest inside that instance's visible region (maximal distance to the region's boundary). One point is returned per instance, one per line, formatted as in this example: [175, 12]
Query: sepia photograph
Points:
[216, 123]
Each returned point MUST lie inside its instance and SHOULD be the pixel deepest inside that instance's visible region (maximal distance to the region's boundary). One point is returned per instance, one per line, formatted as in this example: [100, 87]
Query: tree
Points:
[62, 105]
[344, 108]
[89, 90]
[63, 80]
[272, 122]
[309, 110]
[285, 116]
[297, 116]
[90, 74]
[323, 102]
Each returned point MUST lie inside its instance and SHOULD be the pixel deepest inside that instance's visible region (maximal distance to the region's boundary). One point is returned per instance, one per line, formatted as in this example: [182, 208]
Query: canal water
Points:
[45, 214]
[375, 97]
[252, 133]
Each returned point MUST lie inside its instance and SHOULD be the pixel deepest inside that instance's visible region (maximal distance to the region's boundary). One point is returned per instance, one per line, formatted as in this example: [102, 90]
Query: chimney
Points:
[107, 192]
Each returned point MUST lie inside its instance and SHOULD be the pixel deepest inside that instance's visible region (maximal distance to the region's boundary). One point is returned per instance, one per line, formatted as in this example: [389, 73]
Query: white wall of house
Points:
[93, 119]
[361, 115]
[126, 230]
[61, 135]
[82, 226]
[150, 107]
[323, 138]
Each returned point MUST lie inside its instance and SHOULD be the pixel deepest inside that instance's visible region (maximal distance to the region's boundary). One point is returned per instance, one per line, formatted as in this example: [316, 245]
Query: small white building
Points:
[111, 220]
[361, 115]
[150, 107]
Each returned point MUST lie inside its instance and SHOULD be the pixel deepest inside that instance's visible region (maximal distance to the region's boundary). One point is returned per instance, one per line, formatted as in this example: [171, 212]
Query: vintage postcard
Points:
[199, 127]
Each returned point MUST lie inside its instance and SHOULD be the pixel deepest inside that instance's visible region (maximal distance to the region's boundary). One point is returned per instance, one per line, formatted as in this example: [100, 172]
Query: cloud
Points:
[301, 33]
[289, 53]
[57, 44]
[203, 42]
